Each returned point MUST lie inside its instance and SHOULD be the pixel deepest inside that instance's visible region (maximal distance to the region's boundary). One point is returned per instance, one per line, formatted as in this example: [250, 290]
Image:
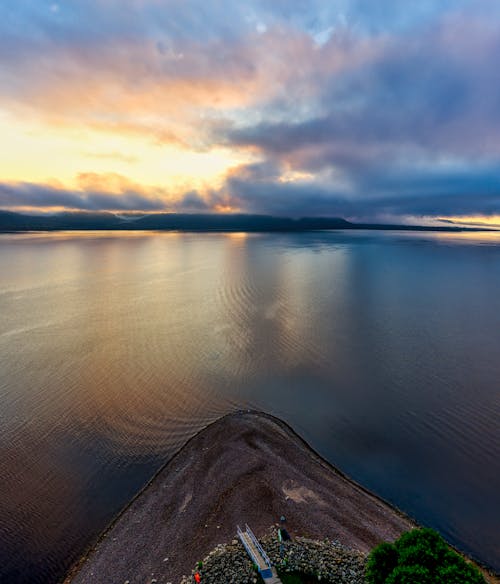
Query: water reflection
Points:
[115, 348]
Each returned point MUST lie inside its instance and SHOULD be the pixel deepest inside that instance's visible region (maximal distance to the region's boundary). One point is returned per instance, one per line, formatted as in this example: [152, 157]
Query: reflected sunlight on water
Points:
[380, 348]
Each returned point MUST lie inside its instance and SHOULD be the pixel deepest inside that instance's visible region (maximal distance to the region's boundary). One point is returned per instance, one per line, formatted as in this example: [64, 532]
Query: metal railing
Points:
[257, 545]
[249, 533]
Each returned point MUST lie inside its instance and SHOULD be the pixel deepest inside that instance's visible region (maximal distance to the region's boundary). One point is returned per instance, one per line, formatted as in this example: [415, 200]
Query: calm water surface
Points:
[381, 349]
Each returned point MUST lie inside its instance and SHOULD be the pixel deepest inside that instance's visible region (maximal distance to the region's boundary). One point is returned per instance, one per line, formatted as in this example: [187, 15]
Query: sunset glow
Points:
[186, 107]
[85, 158]
[492, 221]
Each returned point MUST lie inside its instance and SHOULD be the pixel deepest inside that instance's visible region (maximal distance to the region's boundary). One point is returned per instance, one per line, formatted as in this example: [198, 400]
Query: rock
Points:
[327, 560]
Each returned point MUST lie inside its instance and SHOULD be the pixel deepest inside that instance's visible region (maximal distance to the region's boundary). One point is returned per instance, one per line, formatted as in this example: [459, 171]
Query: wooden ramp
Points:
[258, 556]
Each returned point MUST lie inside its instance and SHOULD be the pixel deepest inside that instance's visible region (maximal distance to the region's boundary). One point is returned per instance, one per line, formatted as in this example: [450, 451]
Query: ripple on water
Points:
[135, 344]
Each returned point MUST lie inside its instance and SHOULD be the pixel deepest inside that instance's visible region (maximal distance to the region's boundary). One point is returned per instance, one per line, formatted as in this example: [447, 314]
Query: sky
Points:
[379, 111]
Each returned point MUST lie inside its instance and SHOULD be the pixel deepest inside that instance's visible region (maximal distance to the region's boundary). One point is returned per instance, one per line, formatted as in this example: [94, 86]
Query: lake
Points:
[382, 349]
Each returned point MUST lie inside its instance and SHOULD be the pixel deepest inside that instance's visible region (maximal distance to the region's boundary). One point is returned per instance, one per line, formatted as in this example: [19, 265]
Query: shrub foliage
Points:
[420, 556]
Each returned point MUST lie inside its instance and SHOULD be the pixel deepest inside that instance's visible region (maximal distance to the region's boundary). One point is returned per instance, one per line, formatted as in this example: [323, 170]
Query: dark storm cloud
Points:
[405, 193]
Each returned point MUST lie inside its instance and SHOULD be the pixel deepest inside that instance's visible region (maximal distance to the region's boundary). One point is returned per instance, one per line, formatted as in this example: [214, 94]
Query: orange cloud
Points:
[136, 85]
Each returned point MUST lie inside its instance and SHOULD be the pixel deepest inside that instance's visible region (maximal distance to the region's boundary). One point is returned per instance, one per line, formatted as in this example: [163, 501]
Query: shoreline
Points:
[194, 501]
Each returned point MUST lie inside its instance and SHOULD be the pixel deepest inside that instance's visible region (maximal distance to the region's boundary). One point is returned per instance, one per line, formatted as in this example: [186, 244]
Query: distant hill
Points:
[10, 221]
[163, 221]
[19, 222]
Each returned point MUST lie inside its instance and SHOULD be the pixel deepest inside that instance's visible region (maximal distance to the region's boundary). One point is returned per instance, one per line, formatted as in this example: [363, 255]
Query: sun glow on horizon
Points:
[489, 221]
[66, 157]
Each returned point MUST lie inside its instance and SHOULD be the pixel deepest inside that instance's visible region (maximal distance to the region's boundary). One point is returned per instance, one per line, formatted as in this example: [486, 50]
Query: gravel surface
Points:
[247, 467]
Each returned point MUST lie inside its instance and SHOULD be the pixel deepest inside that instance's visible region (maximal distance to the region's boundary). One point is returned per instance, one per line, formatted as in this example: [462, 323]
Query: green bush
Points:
[410, 575]
[382, 561]
[420, 556]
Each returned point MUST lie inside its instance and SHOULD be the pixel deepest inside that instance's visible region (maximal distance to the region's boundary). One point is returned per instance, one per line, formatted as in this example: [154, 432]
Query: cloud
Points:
[29, 195]
[260, 188]
[406, 193]
[163, 69]
[349, 107]
[437, 90]
[192, 201]
[411, 128]
[106, 192]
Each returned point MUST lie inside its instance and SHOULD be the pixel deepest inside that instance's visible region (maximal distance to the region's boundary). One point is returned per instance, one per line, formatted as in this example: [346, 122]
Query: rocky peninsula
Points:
[247, 467]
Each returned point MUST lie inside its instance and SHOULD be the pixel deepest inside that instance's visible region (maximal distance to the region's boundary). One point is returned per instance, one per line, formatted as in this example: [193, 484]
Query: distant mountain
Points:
[10, 221]
[236, 222]
[19, 222]
[164, 221]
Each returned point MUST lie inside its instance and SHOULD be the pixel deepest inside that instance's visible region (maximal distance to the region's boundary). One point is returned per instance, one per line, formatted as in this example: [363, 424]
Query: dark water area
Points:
[381, 349]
